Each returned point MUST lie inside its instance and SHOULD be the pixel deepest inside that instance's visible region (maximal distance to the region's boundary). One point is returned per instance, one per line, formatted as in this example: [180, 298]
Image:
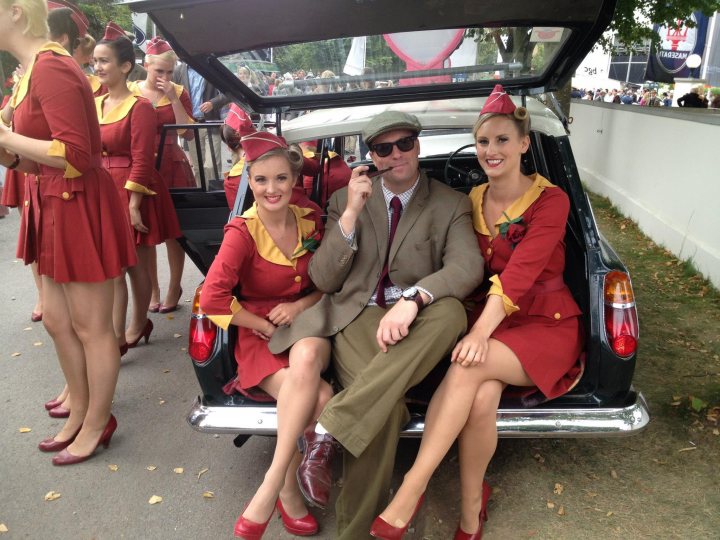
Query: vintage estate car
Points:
[437, 60]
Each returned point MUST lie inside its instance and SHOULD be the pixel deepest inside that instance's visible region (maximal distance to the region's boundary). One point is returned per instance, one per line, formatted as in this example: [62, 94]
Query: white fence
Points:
[660, 167]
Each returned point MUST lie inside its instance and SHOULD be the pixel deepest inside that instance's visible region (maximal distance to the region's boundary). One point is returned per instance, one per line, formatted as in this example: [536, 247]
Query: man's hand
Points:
[395, 325]
[284, 314]
[359, 189]
[206, 107]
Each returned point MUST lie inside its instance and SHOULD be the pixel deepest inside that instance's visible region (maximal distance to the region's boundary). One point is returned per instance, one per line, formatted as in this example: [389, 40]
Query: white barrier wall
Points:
[660, 167]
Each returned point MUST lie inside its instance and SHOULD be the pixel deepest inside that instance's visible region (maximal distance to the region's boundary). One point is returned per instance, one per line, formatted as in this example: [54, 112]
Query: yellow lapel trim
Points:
[516, 209]
[237, 169]
[94, 81]
[24, 82]
[266, 246]
[117, 113]
[312, 155]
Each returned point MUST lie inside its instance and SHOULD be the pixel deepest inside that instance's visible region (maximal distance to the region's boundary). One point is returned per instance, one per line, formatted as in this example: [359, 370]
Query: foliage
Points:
[630, 22]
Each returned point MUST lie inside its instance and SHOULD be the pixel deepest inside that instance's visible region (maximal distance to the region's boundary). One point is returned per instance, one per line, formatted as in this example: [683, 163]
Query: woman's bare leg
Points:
[141, 293]
[476, 445]
[176, 261]
[119, 310]
[448, 413]
[70, 353]
[38, 285]
[301, 395]
[93, 328]
[154, 284]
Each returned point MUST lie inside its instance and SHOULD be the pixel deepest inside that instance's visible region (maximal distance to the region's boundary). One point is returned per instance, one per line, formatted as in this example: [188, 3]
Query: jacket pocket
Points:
[61, 188]
[557, 305]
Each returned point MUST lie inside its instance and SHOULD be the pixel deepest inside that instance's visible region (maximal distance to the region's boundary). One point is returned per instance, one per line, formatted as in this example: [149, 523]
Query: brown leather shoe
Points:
[314, 475]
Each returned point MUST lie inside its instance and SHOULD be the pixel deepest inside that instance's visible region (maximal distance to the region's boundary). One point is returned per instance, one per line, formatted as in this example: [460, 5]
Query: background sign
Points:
[668, 61]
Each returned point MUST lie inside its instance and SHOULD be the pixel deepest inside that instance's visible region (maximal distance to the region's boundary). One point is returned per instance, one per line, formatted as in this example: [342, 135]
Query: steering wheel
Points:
[468, 178]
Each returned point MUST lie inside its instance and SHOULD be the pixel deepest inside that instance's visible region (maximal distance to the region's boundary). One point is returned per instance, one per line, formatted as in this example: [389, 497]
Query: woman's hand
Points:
[167, 88]
[267, 332]
[471, 350]
[136, 220]
[284, 314]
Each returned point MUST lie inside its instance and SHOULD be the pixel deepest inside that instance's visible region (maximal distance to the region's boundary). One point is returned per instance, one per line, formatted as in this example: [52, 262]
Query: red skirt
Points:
[75, 229]
[13, 188]
[157, 211]
[175, 168]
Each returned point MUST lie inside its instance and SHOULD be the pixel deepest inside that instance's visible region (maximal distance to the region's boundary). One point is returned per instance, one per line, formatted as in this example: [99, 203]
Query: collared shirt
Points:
[197, 89]
[392, 293]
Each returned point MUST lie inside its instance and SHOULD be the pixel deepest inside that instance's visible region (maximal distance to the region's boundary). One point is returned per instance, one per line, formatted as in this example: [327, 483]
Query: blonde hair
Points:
[167, 56]
[86, 44]
[520, 117]
[293, 155]
[35, 13]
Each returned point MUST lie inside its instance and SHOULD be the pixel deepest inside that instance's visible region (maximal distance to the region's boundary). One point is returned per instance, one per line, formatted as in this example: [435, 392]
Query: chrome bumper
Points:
[531, 423]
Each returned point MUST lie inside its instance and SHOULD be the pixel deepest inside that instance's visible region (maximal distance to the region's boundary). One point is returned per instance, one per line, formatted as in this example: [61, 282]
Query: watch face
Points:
[410, 292]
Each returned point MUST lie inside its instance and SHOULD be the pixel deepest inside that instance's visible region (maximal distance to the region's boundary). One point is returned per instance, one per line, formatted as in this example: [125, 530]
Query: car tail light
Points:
[621, 322]
[202, 332]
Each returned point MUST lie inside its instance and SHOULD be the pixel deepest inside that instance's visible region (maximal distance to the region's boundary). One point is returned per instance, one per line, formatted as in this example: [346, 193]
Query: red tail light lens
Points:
[202, 333]
[621, 323]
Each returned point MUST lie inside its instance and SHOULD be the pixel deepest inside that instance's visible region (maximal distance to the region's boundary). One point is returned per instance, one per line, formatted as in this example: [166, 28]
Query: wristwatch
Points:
[413, 294]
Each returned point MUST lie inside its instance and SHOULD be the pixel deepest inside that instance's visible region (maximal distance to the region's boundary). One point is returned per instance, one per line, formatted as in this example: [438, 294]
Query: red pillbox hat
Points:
[498, 102]
[157, 46]
[260, 143]
[77, 16]
[113, 32]
[238, 120]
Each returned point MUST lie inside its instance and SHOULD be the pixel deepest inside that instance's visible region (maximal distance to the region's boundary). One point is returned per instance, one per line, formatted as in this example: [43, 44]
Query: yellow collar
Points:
[266, 246]
[513, 211]
[237, 169]
[94, 81]
[117, 113]
[312, 155]
[22, 86]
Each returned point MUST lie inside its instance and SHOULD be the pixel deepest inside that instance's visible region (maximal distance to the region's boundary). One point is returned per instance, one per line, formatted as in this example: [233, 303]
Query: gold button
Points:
[65, 195]
[557, 315]
[489, 251]
[27, 203]
[298, 279]
[104, 153]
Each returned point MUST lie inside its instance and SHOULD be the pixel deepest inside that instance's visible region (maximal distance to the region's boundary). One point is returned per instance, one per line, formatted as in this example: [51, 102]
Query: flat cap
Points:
[389, 121]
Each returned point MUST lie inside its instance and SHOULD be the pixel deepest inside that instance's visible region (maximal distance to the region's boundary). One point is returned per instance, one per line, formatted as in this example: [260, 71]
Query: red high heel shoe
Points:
[66, 458]
[304, 526]
[52, 404]
[144, 334]
[170, 309]
[383, 530]
[250, 530]
[477, 535]
[35, 317]
[51, 445]
[59, 412]
[154, 308]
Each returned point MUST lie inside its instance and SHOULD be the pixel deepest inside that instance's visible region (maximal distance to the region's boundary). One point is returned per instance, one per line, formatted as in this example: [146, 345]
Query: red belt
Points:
[116, 162]
[552, 284]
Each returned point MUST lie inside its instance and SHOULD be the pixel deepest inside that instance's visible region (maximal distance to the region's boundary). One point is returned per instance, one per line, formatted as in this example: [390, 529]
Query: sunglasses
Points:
[385, 149]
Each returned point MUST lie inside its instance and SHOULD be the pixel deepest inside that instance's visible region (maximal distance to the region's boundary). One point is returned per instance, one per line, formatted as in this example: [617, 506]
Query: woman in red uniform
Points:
[127, 127]
[73, 224]
[237, 125]
[525, 329]
[172, 105]
[265, 253]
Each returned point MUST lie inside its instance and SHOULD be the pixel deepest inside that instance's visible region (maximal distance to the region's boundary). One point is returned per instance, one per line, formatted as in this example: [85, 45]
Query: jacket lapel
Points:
[410, 214]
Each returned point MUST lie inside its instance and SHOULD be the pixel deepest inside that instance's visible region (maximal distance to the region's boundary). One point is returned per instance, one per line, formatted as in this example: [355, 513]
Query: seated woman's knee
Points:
[486, 401]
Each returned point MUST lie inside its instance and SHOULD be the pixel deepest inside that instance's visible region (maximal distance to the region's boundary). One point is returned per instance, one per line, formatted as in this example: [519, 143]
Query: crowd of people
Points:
[478, 278]
[696, 98]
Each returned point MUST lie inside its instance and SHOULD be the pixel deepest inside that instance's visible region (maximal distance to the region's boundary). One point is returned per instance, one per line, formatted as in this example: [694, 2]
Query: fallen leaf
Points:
[622, 227]
[209, 494]
[203, 471]
[37, 344]
[539, 458]
[716, 431]
[183, 349]
[177, 335]
[561, 511]
[550, 505]
[113, 468]
[155, 499]
[609, 514]
[697, 404]
[688, 449]
[27, 328]
[170, 317]
[15, 354]
[25, 430]
[613, 473]
[178, 470]
[558, 489]
[151, 467]
[52, 495]
[675, 403]
[161, 402]
[166, 371]
[3, 528]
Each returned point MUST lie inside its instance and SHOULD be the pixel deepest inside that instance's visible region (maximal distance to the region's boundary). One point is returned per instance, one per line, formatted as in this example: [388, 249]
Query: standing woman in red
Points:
[526, 329]
[173, 106]
[265, 254]
[73, 224]
[127, 127]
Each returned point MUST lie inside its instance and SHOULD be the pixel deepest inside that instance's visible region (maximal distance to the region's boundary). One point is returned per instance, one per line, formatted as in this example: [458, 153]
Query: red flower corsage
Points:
[513, 230]
[310, 243]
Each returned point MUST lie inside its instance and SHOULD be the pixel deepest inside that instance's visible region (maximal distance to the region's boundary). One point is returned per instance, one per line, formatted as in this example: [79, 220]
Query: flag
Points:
[355, 63]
